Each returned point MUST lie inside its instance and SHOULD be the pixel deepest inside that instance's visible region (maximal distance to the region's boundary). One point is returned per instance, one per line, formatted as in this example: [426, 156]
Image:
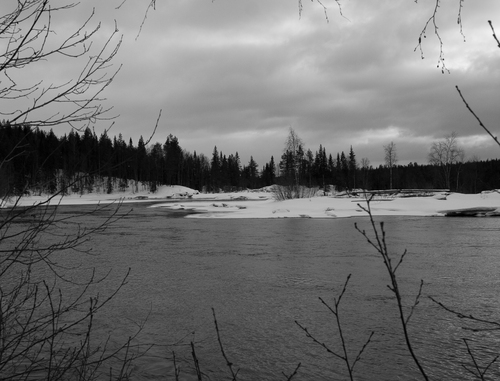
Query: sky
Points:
[238, 74]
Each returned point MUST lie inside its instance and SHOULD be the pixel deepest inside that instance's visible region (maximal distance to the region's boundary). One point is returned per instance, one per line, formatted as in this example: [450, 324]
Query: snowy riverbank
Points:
[260, 204]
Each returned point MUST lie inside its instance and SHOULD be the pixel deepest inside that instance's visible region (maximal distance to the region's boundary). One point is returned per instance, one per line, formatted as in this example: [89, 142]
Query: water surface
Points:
[261, 276]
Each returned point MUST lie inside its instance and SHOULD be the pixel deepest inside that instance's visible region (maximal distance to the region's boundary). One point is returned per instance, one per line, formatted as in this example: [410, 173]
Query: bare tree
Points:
[293, 153]
[46, 330]
[391, 158]
[365, 166]
[293, 143]
[447, 154]
[342, 354]
[378, 241]
[291, 166]
[27, 38]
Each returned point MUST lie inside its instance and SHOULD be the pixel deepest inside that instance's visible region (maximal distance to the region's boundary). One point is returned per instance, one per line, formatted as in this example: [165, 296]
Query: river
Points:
[260, 276]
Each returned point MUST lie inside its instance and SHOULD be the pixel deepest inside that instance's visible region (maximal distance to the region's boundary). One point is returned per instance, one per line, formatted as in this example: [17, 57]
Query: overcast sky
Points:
[239, 73]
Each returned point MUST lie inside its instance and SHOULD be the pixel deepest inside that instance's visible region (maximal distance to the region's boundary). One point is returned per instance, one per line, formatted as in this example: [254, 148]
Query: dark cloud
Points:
[239, 74]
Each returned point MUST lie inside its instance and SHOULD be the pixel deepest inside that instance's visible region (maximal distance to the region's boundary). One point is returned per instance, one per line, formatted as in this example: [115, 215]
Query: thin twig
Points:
[417, 301]
[494, 34]
[228, 363]
[472, 318]
[177, 369]
[478, 372]
[151, 5]
[196, 363]
[288, 378]
[358, 357]
[423, 34]
[308, 334]
[336, 312]
[380, 245]
[156, 127]
[475, 116]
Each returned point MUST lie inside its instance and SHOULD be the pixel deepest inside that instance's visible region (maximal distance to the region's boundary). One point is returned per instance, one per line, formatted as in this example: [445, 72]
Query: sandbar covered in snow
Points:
[261, 204]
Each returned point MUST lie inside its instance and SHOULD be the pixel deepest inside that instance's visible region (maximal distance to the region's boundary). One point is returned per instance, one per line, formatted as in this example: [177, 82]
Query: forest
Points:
[37, 161]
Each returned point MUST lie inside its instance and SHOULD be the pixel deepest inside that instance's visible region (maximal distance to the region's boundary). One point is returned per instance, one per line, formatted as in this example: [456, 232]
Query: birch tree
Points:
[391, 158]
[447, 154]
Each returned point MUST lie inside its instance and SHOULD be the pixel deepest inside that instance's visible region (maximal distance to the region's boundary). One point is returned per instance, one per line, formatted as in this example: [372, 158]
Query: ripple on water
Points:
[262, 275]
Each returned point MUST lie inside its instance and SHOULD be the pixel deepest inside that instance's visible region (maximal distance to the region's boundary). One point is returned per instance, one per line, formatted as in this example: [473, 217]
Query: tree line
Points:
[40, 162]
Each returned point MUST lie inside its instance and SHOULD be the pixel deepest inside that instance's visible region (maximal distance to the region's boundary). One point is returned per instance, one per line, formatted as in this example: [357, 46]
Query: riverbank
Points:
[487, 203]
[261, 204]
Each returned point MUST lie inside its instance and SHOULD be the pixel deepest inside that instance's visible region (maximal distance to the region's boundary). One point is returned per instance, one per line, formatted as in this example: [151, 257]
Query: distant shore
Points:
[176, 201]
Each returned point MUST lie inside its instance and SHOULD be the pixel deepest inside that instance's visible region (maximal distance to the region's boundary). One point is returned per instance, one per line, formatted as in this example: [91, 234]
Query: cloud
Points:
[238, 74]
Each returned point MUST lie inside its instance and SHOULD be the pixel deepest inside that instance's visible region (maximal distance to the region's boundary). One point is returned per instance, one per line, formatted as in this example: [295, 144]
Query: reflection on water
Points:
[263, 275]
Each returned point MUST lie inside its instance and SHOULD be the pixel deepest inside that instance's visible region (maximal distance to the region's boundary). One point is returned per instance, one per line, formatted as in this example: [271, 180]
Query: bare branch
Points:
[494, 34]
[228, 363]
[416, 302]
[423, 34]
[477, 372]
[196, 362]
[76, 102]
[495, 326]
[289, 378]
[475, 116]
[380, 245]
[325, 10]
[344, 356]
[151, 5]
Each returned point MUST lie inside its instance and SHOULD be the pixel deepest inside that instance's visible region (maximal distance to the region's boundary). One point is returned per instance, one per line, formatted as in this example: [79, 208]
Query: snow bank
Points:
[333, 207]
[260, 204]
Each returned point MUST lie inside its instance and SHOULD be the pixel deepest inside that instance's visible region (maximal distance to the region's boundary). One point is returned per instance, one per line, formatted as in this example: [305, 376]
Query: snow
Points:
[261, 204]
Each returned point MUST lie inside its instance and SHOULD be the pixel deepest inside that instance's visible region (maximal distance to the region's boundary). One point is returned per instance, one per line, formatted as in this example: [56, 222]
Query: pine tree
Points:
[173, 155]
[268, 174]
[321, 166]
[105, 153]
[353, 166]
[156, 166]
[254, 173]
[331, 170]
[308, 167]
[344, 167]
[142, 165]
[215, 170]
[234, 170]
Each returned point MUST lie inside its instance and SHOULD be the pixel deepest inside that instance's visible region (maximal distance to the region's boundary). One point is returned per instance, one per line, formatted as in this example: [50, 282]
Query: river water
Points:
[260, 276]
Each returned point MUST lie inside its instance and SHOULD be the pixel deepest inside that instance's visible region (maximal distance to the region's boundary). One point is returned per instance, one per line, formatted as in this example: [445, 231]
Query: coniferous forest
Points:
[39, 162]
